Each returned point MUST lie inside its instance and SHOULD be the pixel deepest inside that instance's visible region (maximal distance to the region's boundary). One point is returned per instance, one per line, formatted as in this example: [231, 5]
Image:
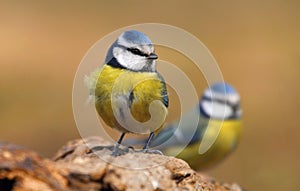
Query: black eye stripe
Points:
[236, 108]
[137, 52]
[232, 105]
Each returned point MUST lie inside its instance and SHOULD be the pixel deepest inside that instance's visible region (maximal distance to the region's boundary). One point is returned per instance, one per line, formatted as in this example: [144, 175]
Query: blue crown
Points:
[136, 37]
[222, 88]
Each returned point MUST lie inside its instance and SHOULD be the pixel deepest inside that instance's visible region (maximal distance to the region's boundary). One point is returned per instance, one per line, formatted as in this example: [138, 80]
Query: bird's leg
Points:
[116, 148]
[146, 147]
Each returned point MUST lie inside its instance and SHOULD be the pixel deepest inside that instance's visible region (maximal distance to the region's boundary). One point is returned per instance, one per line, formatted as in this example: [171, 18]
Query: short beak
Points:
[152, 56]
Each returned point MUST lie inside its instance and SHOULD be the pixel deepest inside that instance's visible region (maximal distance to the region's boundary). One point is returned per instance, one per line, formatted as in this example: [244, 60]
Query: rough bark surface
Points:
[78, 167]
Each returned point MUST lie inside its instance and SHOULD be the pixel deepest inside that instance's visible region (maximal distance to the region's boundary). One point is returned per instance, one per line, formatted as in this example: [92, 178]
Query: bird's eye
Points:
[136, 51]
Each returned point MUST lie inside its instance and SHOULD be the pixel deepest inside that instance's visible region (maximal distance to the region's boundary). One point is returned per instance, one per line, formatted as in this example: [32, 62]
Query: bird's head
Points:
[133, 50]
[220, 101]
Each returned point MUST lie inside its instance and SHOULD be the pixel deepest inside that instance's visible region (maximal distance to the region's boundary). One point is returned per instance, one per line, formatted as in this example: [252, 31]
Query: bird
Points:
[129, 94]
[216, 135]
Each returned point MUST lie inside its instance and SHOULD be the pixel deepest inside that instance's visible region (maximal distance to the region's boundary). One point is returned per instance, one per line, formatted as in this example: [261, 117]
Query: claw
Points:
[117, 151]
[130, 148]
[158, 152]
[149, 151]
[116, 148]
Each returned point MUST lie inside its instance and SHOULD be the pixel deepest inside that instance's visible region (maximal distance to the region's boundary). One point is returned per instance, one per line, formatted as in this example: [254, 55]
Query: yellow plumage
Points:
[215, 136]
[226, 142]
[142, 87]
[129, 94]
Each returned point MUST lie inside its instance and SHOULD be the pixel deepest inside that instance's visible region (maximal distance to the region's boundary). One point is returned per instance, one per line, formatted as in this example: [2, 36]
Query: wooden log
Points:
[78, 167]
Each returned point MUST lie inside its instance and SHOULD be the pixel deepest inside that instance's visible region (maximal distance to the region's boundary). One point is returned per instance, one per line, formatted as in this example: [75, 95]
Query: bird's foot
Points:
[117, 151]
[149, 151]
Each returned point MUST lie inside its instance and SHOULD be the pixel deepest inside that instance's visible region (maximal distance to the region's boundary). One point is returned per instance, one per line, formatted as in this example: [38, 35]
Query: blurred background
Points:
[256, 44]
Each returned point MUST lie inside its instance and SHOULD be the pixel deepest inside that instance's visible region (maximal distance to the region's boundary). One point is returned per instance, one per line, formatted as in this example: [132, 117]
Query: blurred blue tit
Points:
[129, 94]
[216, 135]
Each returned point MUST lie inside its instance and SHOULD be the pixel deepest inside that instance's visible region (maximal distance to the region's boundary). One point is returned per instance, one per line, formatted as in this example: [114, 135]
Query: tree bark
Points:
[87, 165]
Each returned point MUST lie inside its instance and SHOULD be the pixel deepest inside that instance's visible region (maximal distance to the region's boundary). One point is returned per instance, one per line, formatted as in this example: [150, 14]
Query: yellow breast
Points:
[226, 141]
[140, 88]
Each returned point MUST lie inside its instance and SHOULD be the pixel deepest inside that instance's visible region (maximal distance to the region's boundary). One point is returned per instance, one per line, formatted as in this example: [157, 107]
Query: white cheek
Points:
[131, 61]
[217, 110]
[128, 59]
[119, 54]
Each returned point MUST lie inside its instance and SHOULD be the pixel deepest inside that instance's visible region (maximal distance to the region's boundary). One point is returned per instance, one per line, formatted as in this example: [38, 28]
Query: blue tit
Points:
[216, 135]
[130, 95]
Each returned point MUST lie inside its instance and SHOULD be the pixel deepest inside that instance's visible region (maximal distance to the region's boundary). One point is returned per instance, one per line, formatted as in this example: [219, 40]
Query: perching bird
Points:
[130, 95]
[216, 135]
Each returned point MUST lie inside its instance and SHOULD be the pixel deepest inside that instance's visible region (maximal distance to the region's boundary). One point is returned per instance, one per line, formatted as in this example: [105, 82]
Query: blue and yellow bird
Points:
[216, 135]
[130, 95]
